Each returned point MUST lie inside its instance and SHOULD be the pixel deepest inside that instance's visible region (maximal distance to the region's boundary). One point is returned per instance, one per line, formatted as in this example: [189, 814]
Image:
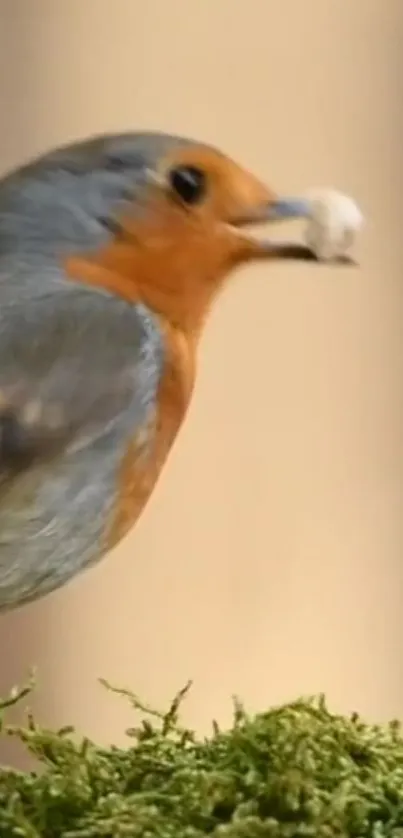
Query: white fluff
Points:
[334, 220]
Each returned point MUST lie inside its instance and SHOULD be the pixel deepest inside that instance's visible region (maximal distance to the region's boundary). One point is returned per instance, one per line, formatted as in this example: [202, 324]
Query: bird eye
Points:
[189, 183]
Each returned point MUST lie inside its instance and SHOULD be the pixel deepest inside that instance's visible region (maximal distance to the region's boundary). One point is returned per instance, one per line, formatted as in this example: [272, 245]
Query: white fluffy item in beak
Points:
[333, 221]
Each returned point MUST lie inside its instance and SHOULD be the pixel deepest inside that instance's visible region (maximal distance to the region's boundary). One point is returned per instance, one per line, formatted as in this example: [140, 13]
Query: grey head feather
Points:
[62, 199]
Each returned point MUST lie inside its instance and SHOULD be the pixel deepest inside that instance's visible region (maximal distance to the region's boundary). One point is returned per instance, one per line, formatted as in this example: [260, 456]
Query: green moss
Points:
[296, 770]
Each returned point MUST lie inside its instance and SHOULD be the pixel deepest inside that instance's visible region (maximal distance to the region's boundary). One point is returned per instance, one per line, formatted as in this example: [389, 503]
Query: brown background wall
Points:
[269, 562]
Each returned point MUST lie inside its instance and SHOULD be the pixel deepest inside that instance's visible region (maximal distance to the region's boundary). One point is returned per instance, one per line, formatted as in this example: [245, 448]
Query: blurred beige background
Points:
[269, 561]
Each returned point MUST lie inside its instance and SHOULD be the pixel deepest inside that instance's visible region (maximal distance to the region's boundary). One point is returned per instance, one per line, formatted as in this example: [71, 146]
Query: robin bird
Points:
[112, 251]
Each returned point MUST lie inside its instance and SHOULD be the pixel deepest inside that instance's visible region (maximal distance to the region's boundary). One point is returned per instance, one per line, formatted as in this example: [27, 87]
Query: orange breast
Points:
[155, 262]
[148, 450]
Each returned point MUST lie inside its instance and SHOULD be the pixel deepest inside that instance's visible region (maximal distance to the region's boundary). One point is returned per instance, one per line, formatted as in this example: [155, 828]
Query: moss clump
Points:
[296, 770]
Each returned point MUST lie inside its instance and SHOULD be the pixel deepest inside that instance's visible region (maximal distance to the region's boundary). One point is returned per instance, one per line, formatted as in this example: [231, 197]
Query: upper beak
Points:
[279, 209]
[283, 209]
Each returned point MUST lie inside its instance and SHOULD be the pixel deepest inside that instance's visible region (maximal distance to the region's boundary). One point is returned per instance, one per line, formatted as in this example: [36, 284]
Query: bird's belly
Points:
[57, 519]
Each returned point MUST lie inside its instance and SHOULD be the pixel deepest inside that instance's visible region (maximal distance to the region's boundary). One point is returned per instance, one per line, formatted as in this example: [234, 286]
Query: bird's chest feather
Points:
[148, 448]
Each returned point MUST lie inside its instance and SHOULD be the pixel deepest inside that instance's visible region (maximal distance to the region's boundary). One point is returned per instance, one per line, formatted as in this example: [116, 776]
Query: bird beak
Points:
[274, 211]
[278, 209]
[283, 209]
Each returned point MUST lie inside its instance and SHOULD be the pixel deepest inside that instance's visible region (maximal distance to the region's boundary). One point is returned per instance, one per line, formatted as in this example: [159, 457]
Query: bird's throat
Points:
[176, 273]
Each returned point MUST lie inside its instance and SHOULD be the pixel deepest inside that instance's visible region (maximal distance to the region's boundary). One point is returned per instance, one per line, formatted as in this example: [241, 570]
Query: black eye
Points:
[189, 183]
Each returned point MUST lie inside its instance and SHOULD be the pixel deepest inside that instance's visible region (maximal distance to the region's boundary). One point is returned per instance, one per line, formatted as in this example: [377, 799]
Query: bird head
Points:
[149, 216]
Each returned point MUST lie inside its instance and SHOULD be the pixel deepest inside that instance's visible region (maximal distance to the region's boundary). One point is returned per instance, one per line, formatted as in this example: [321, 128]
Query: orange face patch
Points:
[175, 257]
